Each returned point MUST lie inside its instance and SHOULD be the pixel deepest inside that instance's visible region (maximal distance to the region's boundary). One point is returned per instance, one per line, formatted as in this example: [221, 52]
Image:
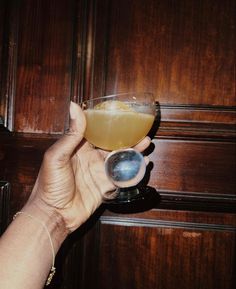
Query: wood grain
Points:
[45, 42]
[158, 247]
[160, 257]
[181, 51]
[194, 166]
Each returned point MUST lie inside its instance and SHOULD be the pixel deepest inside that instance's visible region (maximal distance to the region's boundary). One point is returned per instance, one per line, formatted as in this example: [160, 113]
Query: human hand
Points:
[72, 178]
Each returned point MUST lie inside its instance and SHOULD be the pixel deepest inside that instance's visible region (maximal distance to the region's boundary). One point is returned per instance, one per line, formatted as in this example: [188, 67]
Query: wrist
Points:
[35, 235]
[51, 218]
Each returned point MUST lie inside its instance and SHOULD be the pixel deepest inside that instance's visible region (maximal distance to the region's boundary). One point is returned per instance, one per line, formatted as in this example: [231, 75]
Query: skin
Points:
[70, 186]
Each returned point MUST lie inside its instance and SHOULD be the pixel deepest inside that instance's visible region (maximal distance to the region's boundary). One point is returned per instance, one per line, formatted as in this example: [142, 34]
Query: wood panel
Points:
[194, 168]
[182, 51]
[37, 79]
[44, 66]
[20, 159]
[167, 256]
[159, 248]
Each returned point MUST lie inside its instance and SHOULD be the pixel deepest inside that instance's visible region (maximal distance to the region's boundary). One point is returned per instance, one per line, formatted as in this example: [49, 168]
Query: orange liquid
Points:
[112, 130]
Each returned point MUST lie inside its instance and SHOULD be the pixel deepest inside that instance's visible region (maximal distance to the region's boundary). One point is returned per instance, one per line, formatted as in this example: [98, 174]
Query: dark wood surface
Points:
[161, 253]
[2, 47]
[4, 205]
[183, 51]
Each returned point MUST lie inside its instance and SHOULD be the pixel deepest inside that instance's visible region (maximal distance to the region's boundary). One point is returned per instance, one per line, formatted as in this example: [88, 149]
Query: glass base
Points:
[131, 194]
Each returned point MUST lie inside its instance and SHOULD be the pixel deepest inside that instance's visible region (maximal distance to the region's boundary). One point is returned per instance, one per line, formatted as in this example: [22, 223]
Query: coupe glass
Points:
[116, 123]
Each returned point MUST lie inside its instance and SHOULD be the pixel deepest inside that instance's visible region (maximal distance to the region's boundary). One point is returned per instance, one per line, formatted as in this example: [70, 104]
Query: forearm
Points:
[25, 251]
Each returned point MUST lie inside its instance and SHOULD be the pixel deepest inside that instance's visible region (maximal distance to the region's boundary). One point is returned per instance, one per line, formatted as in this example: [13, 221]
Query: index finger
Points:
[143, 144]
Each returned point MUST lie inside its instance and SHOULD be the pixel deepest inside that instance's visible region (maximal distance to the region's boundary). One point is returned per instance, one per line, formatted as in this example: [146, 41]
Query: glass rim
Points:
[116, 94]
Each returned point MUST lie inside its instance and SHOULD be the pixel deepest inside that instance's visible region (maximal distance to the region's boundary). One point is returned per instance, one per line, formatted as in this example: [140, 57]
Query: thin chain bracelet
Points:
[53, 269]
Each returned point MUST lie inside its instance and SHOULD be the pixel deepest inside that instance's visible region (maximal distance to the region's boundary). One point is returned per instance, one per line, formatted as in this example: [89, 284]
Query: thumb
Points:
[77, 120]
[65, 146]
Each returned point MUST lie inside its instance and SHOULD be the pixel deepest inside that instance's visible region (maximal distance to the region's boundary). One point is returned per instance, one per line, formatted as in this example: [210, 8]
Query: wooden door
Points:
[182, 51]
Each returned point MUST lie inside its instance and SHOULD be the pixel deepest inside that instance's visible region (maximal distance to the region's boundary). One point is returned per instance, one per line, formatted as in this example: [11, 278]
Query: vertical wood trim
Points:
[90, 42]
[79, 51]
[83, 51]
[90, 50]
[102, 38]
[4, 205]
[8, 81]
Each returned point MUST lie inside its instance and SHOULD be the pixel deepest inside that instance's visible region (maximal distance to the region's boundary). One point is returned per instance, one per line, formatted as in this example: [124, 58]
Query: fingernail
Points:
[148, 139]
[73, 110]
